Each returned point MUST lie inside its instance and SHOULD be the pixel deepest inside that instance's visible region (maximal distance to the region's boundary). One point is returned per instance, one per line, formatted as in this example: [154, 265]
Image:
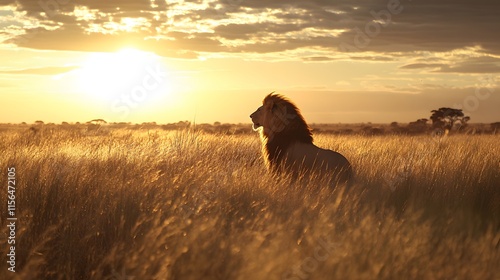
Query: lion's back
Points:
[308, 158]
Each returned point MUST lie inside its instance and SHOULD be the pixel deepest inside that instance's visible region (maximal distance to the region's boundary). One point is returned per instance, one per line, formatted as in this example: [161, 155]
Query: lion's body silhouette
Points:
[287, 143]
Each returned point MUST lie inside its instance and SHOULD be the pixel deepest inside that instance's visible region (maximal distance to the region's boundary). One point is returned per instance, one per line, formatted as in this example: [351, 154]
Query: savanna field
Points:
[155, 204]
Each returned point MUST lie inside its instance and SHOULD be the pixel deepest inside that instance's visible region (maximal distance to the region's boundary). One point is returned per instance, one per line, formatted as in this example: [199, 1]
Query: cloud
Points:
[479, 65]
[422, 65]
[483, 64]
[41, 70]
[373, 58]
[343, 83]
[318, 58]
[258, 27]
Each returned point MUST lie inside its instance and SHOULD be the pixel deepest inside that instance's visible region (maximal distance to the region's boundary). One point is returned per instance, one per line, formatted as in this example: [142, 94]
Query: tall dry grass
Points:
[185, 205]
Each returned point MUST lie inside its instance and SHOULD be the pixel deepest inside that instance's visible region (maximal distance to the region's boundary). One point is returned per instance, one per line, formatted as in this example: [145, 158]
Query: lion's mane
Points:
[286, 126]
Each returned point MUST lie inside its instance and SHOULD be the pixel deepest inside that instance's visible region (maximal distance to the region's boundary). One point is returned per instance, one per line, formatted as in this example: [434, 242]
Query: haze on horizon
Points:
[209, 60]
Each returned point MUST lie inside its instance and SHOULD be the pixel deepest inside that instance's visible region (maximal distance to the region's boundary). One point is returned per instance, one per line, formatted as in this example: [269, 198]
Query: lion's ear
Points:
[270, 105]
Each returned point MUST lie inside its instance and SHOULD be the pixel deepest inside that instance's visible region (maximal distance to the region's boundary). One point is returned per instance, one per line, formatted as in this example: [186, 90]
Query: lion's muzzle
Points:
[255, 122]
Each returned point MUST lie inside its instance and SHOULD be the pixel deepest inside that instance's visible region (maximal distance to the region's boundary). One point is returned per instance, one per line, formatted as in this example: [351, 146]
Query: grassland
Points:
[187, 205]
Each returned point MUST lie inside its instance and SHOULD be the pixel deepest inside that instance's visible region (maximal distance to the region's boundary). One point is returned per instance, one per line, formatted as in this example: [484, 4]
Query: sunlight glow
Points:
[108, 75]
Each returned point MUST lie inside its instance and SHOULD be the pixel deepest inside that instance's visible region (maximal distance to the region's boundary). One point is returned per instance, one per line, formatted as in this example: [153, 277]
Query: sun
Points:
[128, 74]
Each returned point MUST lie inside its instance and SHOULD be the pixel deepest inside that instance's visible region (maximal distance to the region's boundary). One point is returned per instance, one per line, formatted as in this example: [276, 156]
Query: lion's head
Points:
[278, 115]
[281, 124]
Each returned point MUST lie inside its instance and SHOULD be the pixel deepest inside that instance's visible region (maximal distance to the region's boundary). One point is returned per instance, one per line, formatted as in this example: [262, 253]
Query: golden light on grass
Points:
[189, 205]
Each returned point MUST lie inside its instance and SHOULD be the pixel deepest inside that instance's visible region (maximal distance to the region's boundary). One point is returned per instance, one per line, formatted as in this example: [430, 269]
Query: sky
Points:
[215, 60]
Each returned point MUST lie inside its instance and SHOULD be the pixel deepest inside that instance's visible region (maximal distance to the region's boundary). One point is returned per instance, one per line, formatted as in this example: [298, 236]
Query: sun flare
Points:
[125, 72]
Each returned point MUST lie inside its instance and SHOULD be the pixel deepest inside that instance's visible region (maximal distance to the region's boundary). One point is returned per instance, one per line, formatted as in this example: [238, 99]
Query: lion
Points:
[287, 143]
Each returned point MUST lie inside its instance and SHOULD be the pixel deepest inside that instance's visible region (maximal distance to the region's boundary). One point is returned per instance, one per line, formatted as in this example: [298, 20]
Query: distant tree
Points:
[377, 131]
[94, 126]
[148, 124]
[366, 129]
[223, 129]
[395, 128]
[495, 127]
[39, 122]
[97, 121]
[183, 124]
[446, 118]
[346, 131]
[418, 126]
[463, 123]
